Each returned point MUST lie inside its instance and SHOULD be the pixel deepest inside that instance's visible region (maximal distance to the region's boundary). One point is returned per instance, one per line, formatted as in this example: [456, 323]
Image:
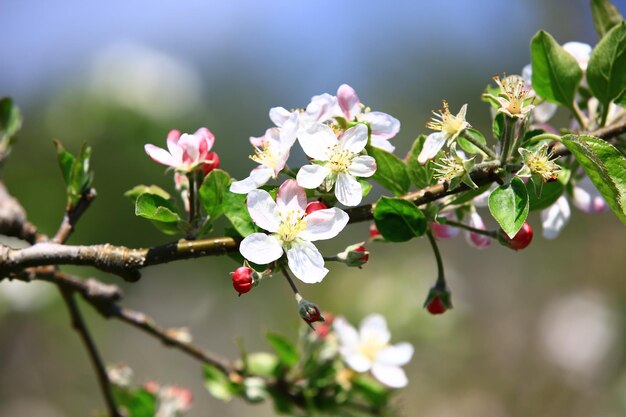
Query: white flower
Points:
[336, 161]
[184, 152]
[477, 240]
[292, 231]
[369, 350]
[448, 127]
[512, 97]
[271, 152]
[321, 109]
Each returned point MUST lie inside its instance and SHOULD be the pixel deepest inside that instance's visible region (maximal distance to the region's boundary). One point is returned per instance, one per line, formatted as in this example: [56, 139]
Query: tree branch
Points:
[73, 214]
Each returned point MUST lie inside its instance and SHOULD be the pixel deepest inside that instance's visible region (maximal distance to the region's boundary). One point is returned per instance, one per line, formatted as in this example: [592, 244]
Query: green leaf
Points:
[366, 187]
[236, 211]
[10, 118]
[375, 393]
[159, 211]
[550, 193]
[212, 191]
[556, 73]
[76, 171]
[497, 126]
[468, 146]
[137, 190]
[218, 384]
[136, 403]
[605, 16]
[420, 175]
[606, 74]
[390, 171]
[508, 204]
[286, 351]
[66, 162]
[605, 166]
[399, 220]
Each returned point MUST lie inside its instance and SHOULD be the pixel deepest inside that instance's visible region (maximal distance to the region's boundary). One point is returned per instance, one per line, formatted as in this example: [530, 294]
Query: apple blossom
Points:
[271, 153]
[442, 230]
[512, 97]
[336, 161]
[448, 127]
[292, 231]
[368, 349]
[454, 169]
[185, 152]
[476, 239]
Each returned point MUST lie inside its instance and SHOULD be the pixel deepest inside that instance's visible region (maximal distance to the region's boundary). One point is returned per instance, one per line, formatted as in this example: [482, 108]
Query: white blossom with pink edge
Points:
[476, 239]
[271, 153]
[321, 109]
[186, 152]
[337, 161]
[369, 350]
[442, 230]
[585, 197]
[292, 231]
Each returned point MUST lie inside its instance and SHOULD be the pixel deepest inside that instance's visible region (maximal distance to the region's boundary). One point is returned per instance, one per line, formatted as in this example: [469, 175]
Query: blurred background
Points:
[534, 333]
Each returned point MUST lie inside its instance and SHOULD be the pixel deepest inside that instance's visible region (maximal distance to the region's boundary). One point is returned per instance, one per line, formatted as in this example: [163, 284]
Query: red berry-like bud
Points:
[435, 306]
[314, 206]
[438, 300]
[212, 162]
[309, 312]
[374, 233]
[243, 280]
[354, 255]
[520, 241]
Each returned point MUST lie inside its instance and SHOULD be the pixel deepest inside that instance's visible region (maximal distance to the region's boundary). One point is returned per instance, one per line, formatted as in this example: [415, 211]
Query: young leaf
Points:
[66, 163]
[160, 211]
[285, 350]
[76, 171]
[10, 118]
[398, 220]
[605, 166]
[605, 73]
[605, 16]
[212, 192]
[137, 190]
[468, 146]
[508, 204]
[420, 175]
[497, 126]
[550, 193]
[556, 73]
[236, 210]
[218, 384]
[135, 403]
[390, 171]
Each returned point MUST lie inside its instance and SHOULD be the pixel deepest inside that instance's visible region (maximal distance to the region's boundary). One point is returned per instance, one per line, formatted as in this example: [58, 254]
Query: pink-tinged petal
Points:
[357, 361]
[291, 196]
[172, 145]
[348, 101]
[383, 126]
[172, 137]
[260, 248]
[317, 141]
[362, 166]
[289, 131]
[189, 144]
[374, 327]
[263, 210]
[258, 141]
[161, 155]
[555, 217]
[312, 176]
[354, 139]
[432, 145]
[580, 51]
[207, 136]
[348, 190]
[324, 224]
[347, 334]
[475, 239]
[396, 355]
[279, 115]
[587, 198]
[306, 262]
[443, 231]
[544, 111]
[382, 144]
[392, 376]
[258, 176]
[320, 109]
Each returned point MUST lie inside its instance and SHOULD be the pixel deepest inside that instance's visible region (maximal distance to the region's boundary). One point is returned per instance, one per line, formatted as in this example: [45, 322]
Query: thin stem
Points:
[73, 214]
[605, 115]
[79, 325]
[441, 280]
[487, 150]
[289, 172]
[283, 268]
[192, 197]
[579, 116]
[543, 136]
[507, 139]
[491, 233]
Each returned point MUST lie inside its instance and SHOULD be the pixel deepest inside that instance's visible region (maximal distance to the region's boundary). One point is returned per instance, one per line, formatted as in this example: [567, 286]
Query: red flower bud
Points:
[374, 233]
[354, 255]
[435, 306]
[314, 206]
[212, 162]
[243, 279]
[309, 312]
[438, 300]
[520, 241]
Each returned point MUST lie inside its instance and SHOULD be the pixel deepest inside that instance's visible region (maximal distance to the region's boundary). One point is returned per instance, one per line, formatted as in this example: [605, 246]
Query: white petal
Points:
[306, 262]
[544, 111]
[462, 112]
[527, 74]
[317, 141]
[348, 190]
[587, 198]
[395, 355]
[382, 144]
[476, 239]
[260, 248]
[580, 51]
[161, 155]
[354, 139]
[348, 101]
[324, 224]
[347, 334]
[312, 176]
[279, 115]
[321, 108]
[555, 217]
[258, 176]
[433, 143]
[375, 326]
[392, 376]
[289, 131]
[357, 361]
[291, 196]
[263, 210]
[362, 166]
[383, 126]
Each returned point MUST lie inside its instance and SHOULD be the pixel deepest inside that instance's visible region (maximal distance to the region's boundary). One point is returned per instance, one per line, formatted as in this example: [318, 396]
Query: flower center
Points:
[340, 159]
[371, 346]
[513, 88]
[291, 225]
[446, 122]
[265, 156]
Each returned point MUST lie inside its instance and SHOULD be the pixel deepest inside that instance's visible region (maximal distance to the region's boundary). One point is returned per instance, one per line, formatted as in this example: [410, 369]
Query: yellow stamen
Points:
[291, 225]
[445, 121]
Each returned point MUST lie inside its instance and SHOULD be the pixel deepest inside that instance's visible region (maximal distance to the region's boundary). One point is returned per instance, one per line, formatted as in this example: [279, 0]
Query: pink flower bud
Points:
[212, 162]
[314, 206]
[243, 279]
[354, 255]
[374, 233]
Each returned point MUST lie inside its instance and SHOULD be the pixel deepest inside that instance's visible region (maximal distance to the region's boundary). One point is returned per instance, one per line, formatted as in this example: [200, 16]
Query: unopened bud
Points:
[314, 206]
[212, 162]
[438, 300]
[374, 233]
[520, 241]
[309, 311]
[354, 255]
[243, 279]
